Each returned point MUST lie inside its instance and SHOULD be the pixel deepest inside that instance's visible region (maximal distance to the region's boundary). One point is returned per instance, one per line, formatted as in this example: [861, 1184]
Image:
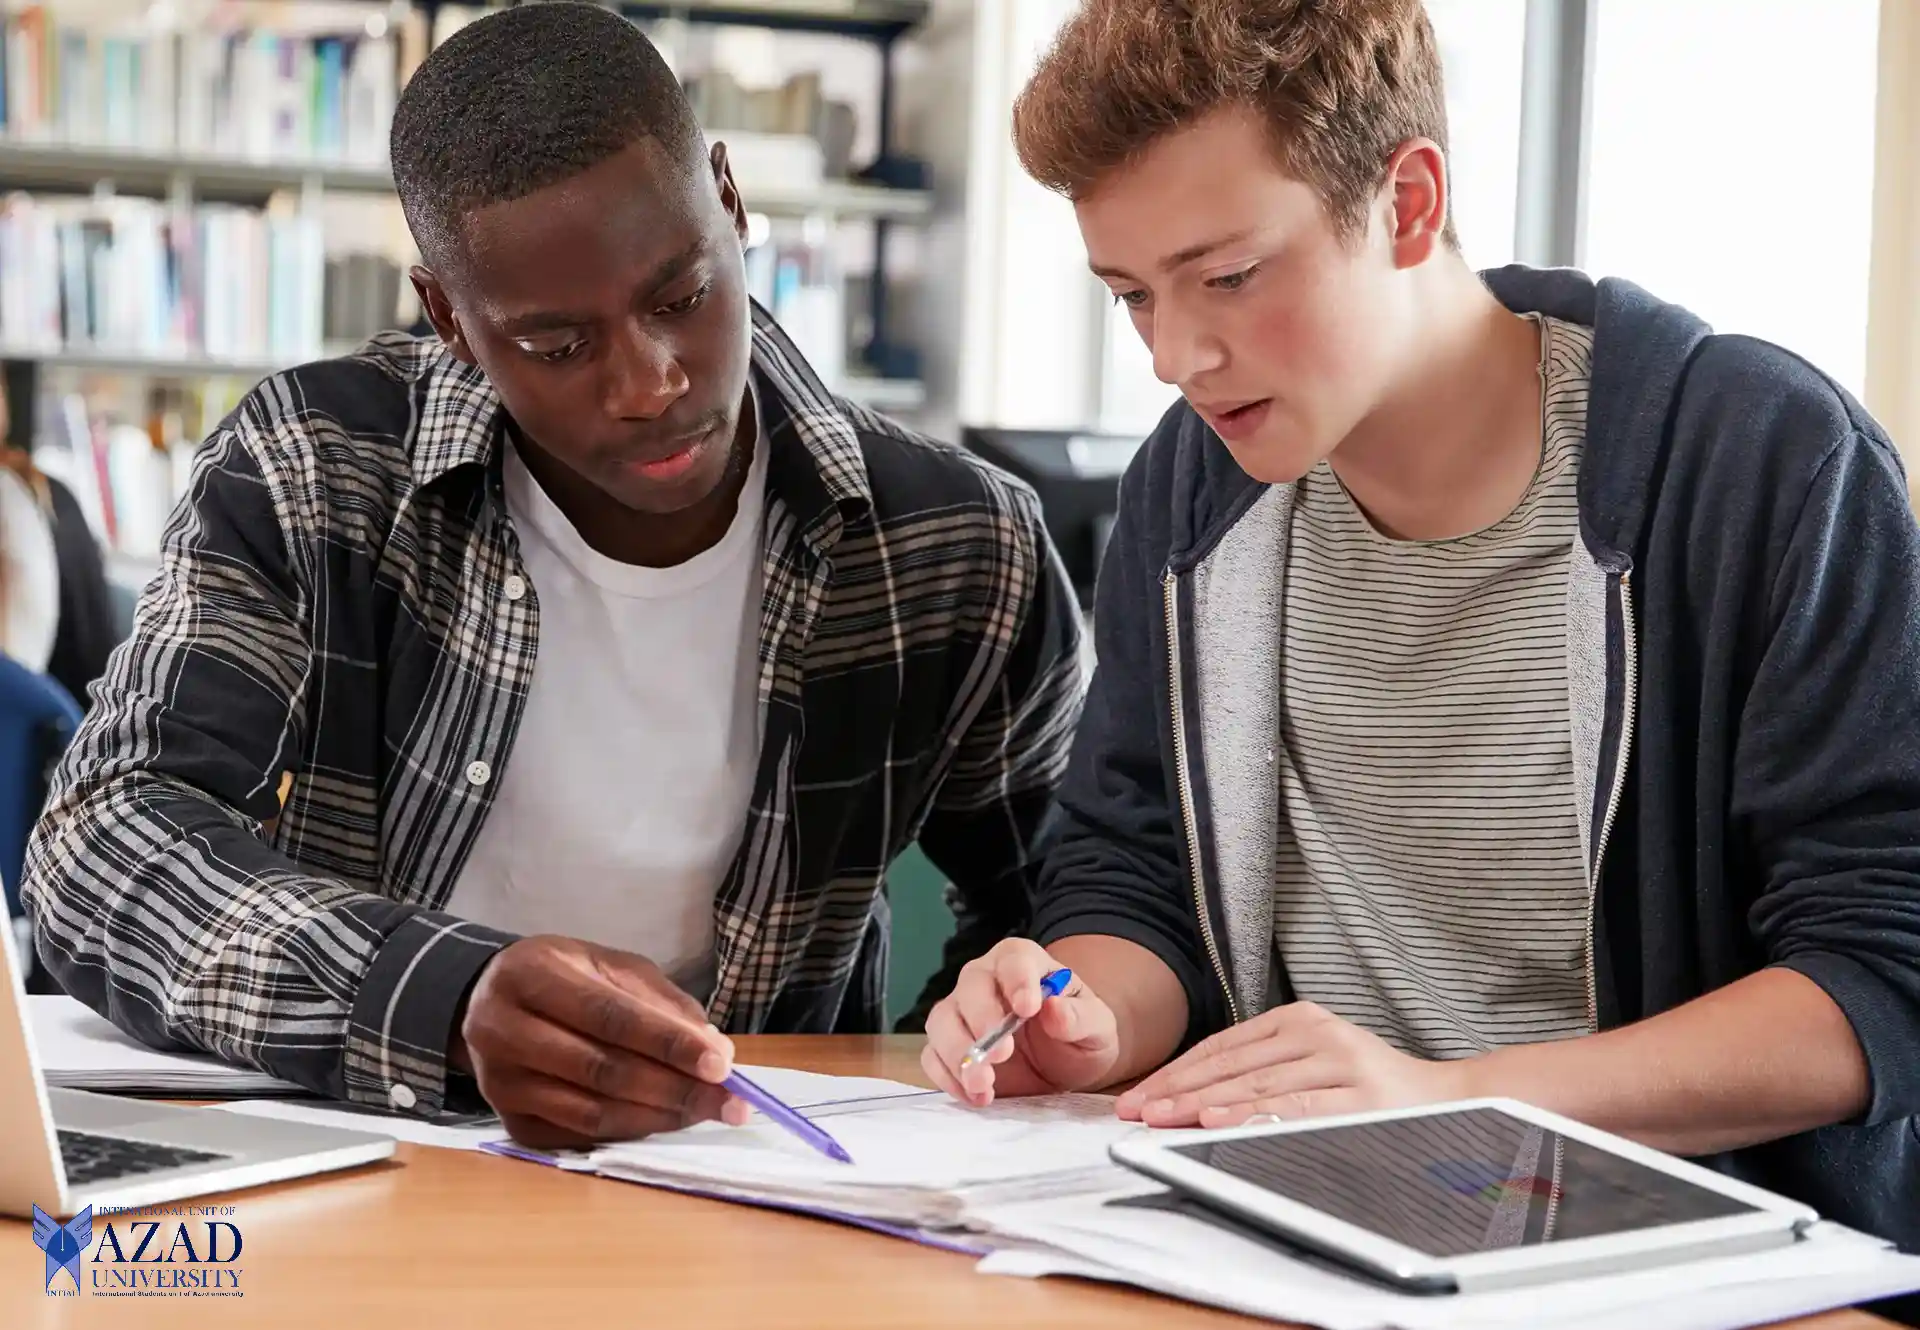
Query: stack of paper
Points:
[919, 1158]
[82, 1051]
[1029, 1182]
[1136, 1237]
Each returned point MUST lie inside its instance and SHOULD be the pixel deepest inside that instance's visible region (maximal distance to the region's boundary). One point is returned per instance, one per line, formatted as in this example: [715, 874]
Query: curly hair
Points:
[1340, 85]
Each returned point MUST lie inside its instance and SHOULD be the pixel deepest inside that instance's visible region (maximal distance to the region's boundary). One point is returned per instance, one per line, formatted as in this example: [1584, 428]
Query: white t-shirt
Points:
[623, 802]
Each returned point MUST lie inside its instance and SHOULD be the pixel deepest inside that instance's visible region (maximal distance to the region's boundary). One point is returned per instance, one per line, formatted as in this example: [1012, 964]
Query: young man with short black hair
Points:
[1506, 685]
[517, 706]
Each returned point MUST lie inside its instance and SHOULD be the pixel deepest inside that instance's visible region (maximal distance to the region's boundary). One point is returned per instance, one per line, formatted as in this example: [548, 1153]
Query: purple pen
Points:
[741, 1088]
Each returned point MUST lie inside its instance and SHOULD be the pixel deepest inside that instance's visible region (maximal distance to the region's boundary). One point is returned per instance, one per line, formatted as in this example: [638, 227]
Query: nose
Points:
[643, 376]
[1181, 345]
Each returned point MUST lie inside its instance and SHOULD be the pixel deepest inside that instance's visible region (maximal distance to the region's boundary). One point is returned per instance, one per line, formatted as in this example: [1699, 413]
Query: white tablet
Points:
[1485, 1193]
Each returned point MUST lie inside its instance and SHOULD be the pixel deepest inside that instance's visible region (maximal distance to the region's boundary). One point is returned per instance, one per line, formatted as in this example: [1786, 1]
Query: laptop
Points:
[65, 1150]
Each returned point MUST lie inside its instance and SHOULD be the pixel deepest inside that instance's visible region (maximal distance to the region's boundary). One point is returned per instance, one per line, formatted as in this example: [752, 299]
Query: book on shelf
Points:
[137, 277]
[244, 92]
[128, 458]
[797, 280]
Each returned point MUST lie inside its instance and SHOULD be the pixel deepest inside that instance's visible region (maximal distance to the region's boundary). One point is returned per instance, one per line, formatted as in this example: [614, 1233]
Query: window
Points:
[1483, 50]
[1731, 165]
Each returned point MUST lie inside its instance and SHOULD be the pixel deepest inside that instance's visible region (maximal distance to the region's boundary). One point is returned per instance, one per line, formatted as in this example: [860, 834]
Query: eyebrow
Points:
[524, 325]
[665, 272]
[1182, 257]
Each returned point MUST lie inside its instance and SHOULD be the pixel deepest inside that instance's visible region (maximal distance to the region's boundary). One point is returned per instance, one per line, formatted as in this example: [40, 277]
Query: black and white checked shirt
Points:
[342, 609]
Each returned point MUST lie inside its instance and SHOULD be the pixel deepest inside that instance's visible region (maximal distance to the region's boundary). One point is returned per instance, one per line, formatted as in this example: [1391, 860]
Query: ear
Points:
[729, 192]
[439, 311]
[1416, 192]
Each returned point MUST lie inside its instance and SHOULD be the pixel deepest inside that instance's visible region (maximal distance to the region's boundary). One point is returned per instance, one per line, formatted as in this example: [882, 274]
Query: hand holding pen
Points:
[1019, 1023]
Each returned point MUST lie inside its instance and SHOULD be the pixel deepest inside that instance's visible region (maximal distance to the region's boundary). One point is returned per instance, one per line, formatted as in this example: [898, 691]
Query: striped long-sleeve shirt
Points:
[330, 620]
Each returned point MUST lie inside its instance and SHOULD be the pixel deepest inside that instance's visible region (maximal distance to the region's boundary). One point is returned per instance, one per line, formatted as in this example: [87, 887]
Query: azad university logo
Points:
[64, 1244]
[188, 1251]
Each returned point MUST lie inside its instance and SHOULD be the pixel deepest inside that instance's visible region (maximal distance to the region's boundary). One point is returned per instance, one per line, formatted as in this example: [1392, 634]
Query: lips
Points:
[672, 460]
[1235, 421]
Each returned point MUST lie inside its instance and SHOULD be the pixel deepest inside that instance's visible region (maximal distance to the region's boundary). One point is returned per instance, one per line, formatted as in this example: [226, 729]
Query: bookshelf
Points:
[58, 166]
[881, 23]
[106, 360]
[841, 199]
[869, 390]
[875, 20]
[158, 245]
[62, 166]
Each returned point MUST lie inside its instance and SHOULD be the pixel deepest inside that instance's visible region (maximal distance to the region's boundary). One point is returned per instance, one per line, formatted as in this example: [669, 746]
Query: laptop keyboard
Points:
[90, 1158]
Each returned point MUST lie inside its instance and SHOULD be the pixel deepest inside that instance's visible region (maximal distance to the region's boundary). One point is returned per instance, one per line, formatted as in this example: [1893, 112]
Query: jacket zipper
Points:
[1184, 778]
[1631, 655]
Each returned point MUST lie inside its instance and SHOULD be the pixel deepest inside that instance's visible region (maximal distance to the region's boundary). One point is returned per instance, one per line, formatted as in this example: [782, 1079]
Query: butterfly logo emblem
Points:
[64, 1244]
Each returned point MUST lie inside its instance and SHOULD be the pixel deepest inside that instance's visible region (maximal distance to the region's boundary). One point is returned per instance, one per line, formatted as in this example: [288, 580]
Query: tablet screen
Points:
[1466, 1181]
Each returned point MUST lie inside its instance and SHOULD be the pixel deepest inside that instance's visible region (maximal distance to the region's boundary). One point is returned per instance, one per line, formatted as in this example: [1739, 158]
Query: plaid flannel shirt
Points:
[284, 769]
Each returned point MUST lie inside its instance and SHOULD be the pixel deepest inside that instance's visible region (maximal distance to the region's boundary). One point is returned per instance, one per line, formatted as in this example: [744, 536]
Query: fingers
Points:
[1066, 1041]
[1077, 1019]
[976, 1007]
[979, 1003]
[1223, 1058]
[548, 1114]
[948, 1039]
[637, 1011]
[1278, 1083]
[1294, 1107]
[538, 1134]
[937, 1072]
[1005, 982]
[579, 1043]
[613, 1073]
[1018, 968]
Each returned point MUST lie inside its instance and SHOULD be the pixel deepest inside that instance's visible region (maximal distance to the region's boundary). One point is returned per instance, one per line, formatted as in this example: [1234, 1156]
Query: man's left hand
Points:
[1296, 1061]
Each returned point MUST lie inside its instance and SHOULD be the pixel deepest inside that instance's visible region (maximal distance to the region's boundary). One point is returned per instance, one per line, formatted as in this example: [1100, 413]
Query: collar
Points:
[460, 422]
[815, 464]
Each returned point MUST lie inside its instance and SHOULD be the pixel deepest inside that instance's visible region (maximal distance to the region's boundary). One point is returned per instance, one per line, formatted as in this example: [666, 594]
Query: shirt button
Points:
[516, 587]
[479, 773]
[401, 1096]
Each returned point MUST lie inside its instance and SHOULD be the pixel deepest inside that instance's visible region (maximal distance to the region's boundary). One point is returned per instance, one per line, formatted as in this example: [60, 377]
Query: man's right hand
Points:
[574, 1043]
[1067, 1043]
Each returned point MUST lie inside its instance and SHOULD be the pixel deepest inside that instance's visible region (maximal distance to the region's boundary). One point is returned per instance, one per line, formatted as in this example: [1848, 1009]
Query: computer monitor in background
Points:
[1077, 476]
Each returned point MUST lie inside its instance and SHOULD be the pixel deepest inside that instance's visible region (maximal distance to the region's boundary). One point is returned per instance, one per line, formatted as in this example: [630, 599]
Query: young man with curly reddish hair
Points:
[1506, 684]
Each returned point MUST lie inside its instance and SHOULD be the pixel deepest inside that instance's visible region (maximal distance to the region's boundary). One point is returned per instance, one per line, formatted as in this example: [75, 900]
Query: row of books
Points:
[801, 285]
[250, 93]
[140, 277]
[127, 460]
[795, 109]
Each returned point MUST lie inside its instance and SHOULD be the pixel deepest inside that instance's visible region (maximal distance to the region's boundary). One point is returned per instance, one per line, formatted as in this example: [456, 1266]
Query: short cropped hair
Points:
[525, 98]
[1340, 85]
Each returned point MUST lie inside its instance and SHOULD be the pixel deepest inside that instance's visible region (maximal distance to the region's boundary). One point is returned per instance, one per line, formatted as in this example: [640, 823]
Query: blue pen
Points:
[741, 1088]
[1052, 986]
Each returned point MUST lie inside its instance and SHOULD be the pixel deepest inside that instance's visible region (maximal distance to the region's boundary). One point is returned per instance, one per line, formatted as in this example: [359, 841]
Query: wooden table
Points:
[445, 1238]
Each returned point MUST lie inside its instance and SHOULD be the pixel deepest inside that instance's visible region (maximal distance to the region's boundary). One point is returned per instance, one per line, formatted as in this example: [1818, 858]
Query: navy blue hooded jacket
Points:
[1743, 636]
